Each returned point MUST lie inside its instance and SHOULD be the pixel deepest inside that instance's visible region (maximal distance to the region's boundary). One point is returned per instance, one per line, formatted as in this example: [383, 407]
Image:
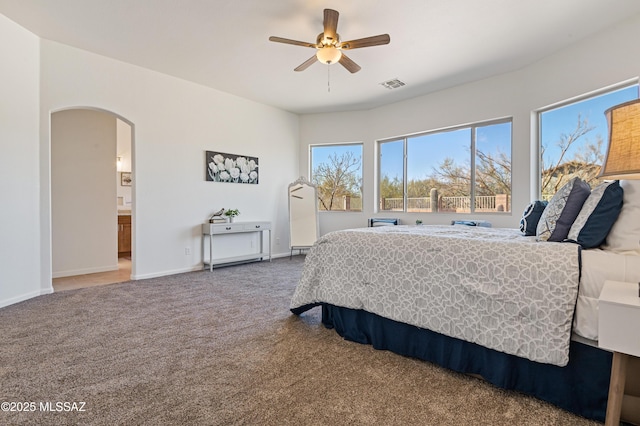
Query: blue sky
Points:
[320, 153]
[564, 119]
[427, 152]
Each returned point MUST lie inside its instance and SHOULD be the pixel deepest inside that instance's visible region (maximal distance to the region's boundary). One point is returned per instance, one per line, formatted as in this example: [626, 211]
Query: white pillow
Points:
[624, 236]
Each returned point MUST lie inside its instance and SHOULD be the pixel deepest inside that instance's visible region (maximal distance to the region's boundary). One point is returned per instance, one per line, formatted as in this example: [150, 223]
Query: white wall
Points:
[589, 65]
[174, 123]
[20, 276]
[83, 192]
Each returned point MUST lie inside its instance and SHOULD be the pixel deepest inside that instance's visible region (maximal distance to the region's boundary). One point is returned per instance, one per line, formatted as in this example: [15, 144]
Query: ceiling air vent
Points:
[392, 84]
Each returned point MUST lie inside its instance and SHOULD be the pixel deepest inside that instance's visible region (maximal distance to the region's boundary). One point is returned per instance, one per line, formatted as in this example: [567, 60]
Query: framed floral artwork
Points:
[231, 168]
[125, 179]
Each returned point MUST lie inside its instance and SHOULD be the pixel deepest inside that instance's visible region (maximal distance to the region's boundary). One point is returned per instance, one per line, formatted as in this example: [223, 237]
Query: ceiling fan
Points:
[329, 47]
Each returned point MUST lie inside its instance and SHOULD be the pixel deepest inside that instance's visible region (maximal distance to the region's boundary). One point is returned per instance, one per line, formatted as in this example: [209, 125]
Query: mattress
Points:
[599, 266]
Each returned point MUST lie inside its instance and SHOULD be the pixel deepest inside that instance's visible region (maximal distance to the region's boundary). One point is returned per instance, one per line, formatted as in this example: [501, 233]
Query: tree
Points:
[336, 179]
[493, 173]
[585, 162]
[452, 179]
[417, 188]
[391, 188]
[391, 193]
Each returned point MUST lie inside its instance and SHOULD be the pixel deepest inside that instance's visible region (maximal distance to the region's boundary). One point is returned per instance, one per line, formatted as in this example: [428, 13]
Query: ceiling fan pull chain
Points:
[328, 78]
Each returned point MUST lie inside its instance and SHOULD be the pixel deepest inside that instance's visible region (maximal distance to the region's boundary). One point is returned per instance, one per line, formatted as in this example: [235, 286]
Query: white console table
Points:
[213, 229]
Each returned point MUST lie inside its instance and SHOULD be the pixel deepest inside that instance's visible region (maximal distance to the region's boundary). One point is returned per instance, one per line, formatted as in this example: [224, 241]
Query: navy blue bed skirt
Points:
[581, 387]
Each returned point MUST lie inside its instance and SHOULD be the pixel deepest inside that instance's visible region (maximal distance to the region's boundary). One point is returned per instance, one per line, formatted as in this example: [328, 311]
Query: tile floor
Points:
[80, 281]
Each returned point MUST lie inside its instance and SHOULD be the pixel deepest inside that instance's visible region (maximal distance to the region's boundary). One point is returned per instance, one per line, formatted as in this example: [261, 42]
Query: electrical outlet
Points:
[277, 241]
[187, 251]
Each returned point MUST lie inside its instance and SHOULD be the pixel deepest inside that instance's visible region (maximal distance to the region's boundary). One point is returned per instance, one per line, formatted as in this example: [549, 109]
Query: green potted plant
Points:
[231, 213]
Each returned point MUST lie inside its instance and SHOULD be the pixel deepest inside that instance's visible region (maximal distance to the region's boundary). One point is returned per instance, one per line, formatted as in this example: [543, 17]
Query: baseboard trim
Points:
[288, 254]
[165, 273]
[25, 296]
[193, 269]
[84, 271]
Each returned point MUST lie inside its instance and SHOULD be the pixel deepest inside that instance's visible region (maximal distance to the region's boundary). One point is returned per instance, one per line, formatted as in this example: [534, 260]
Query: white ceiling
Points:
[224, 44]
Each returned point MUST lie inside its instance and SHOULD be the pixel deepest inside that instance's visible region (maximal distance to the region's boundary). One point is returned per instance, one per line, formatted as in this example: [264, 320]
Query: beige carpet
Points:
[221, 348]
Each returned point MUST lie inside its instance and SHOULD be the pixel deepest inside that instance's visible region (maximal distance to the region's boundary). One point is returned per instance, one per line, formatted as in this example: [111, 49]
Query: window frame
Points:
[472, 164]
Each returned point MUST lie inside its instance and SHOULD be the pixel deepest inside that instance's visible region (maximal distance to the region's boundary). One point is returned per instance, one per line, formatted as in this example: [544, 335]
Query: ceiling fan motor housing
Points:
[326, 40]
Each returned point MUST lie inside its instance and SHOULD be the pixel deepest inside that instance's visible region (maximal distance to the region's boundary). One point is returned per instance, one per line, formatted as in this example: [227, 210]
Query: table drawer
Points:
[257, 226]
[222, 228]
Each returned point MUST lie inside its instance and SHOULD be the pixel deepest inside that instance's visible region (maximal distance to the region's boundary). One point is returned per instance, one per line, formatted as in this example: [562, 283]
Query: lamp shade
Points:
[623, 153]
[328, 55]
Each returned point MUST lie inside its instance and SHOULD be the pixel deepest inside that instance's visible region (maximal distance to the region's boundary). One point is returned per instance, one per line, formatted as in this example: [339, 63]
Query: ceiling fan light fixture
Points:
[328, 55]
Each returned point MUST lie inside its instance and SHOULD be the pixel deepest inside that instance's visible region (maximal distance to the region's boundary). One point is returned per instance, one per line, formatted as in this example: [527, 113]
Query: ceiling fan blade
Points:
[351, 66]
[289, 41]
[306, 64]
[331, 24]
[366, 42]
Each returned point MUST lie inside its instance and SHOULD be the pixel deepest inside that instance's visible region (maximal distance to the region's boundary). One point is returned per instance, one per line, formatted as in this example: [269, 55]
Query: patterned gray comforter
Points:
[489, 286]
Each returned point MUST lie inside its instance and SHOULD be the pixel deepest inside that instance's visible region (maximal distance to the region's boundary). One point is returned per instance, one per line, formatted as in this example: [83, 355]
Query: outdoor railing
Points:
[342, 204]
[483, 203]
[460, 204]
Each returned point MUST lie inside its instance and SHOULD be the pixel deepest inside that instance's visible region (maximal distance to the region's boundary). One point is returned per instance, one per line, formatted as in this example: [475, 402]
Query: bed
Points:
[487, 301]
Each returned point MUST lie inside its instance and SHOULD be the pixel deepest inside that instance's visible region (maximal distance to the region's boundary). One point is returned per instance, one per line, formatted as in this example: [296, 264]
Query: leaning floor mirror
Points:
[303, 214]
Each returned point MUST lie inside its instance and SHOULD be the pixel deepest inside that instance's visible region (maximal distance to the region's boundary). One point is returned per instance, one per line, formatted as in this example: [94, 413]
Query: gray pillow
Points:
[562, 210]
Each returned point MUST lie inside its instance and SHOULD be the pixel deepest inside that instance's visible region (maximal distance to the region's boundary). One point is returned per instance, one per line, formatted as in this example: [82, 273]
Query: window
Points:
[573, 139]
[460, 170]
[337, 171]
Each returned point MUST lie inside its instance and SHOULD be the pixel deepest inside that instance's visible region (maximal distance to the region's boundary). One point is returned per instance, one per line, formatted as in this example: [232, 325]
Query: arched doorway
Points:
[89, 193]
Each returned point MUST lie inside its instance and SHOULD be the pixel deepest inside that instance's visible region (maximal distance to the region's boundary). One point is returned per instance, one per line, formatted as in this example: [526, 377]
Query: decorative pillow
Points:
[531, 217]
[624, 236]
[562, 210]
[597, 216]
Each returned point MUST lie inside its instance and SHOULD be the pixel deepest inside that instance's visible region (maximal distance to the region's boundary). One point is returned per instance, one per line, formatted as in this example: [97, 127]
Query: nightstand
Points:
[619, 331]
